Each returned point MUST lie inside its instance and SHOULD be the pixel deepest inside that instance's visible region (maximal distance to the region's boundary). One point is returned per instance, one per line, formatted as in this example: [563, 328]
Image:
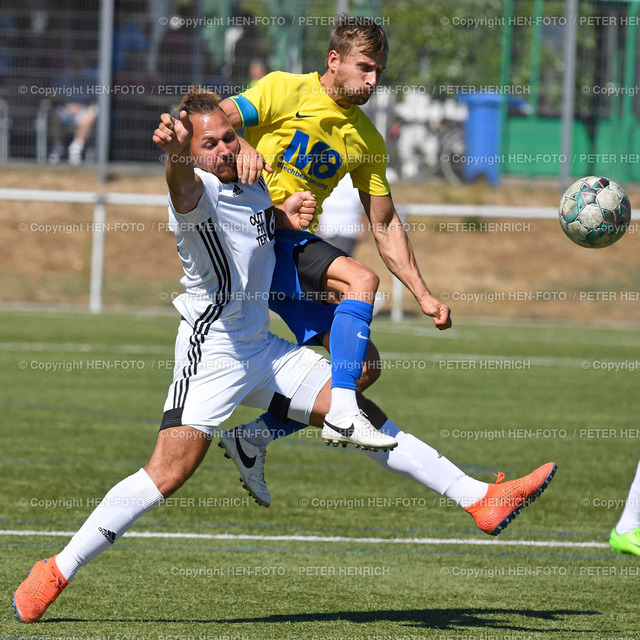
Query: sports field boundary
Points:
[99, 225]
[562, 544]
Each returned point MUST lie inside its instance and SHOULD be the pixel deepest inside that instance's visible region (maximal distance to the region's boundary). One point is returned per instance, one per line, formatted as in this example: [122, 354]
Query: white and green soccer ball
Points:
[595, 212]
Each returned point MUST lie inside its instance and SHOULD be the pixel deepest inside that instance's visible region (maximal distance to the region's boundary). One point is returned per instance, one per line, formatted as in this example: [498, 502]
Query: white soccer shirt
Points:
[226, 248]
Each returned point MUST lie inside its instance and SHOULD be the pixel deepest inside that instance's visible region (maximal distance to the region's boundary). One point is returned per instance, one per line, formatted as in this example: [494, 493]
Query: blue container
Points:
[482, 136]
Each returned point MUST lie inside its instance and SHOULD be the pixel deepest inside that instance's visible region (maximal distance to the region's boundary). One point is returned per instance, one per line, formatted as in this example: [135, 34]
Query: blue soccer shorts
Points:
[296, 289]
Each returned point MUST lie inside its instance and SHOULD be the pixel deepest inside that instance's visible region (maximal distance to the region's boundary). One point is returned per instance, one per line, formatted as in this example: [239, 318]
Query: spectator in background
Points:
[78, 112]
[257, 69]
[343, 222]
[175, 59]
[129, 39]
[8, 37]
[159, 12]
[184, 58]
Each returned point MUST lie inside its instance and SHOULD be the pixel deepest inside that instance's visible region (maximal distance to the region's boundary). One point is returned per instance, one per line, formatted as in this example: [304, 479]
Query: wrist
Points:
[423, 295]
[178, 157]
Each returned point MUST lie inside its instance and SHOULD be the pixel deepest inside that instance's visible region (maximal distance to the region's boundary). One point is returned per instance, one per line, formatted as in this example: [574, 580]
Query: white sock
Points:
[76, 146]
[466, 490]
[119, 509]
[257, 433]
[630, 518]
[419, 462]
[343, 402]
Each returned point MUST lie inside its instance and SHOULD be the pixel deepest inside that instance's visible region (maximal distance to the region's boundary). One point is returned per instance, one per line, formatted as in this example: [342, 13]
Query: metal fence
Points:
[99, 226]
[50, 67]
[57, 86]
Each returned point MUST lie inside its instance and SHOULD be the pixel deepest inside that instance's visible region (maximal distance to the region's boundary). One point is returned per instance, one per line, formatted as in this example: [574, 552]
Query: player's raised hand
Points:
[250, 163]
[438, 310]
[172, 135]
[299, 209]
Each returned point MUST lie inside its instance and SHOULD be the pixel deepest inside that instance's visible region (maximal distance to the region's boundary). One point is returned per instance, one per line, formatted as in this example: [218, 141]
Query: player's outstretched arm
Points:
[395, 249]
[174, 138]
[297, 211]
[251, 163]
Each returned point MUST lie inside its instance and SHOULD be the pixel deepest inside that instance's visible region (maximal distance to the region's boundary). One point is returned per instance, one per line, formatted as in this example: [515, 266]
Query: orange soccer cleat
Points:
[42, 586]
[504, 500]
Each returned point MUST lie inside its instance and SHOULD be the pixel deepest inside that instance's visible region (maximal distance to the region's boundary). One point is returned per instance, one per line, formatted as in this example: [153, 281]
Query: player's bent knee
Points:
[356, 276]
[367, 282]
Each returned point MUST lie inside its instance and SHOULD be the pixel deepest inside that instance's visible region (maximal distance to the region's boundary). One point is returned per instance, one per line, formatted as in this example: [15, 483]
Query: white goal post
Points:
[100, 200]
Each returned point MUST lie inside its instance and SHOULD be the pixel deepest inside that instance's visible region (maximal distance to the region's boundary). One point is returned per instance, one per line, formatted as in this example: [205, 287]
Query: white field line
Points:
[562, 544]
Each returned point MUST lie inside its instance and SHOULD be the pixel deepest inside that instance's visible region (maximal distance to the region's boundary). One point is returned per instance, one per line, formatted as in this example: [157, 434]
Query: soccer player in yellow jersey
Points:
[309, 131]
[226, 356]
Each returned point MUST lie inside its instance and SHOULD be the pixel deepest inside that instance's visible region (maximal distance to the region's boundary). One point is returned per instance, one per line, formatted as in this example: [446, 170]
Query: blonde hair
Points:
[351, 31]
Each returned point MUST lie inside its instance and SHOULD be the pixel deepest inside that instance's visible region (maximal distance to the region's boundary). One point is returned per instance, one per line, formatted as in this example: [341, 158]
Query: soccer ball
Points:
[595, 212]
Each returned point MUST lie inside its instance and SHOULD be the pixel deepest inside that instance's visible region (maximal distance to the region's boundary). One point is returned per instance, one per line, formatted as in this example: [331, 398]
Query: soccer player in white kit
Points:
[225, 354]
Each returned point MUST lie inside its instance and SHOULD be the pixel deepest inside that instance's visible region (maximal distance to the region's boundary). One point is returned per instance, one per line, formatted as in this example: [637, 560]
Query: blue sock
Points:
[280, 429]
[349, 341]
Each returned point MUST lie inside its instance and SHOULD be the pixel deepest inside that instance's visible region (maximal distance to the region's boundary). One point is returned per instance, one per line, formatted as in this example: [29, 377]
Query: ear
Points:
[333, 60]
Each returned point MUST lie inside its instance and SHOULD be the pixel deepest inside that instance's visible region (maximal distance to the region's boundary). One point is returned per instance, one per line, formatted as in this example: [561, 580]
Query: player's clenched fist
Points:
[172, 135]
[299, 210]
[438, 310]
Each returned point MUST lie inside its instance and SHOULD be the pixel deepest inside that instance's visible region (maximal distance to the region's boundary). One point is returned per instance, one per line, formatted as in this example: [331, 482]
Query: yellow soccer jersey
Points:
[310, 141]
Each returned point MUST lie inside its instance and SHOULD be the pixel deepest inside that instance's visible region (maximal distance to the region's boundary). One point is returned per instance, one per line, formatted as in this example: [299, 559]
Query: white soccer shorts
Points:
[213, 375]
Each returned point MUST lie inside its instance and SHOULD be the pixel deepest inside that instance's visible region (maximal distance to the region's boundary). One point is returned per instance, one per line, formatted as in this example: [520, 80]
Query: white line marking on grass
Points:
[417, 541]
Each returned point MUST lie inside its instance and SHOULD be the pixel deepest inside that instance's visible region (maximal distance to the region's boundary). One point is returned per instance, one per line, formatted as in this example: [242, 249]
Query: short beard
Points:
[350, 96]
[358, 98]
[226, 173]
[229, 173]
